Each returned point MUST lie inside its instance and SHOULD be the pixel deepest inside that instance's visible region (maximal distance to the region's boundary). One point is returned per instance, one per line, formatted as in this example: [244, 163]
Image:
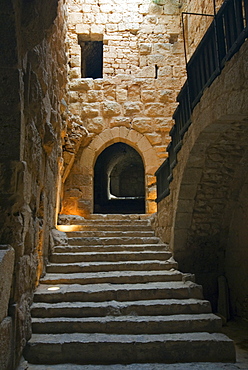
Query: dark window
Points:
[92, 59]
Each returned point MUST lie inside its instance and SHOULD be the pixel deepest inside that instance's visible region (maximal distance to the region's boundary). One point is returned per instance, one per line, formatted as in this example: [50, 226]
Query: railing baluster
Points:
[221, 38]
[245, 3]
[238, 4]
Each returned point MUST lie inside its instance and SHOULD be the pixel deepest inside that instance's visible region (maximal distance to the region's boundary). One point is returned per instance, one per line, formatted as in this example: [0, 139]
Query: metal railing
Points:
[222, 40]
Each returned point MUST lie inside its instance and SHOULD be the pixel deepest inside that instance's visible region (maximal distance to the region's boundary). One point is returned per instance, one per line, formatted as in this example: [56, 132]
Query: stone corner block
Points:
[82, 29]
[59, 237]
[80, 84]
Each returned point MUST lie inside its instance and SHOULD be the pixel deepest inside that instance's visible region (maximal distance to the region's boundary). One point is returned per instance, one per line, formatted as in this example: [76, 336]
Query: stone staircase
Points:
[120, 299]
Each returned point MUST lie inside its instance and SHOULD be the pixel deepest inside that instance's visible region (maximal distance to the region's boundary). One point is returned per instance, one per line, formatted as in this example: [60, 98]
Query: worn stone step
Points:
[139, 366]
[105, 219]
[118, 292]
[117, 216]
[101, 348]
[114, 308]
[129, 324]
[93, 226]
[110, 248]
[115, 277]
[112, 266]
[109, 256]
[113, 240]
[110, 234]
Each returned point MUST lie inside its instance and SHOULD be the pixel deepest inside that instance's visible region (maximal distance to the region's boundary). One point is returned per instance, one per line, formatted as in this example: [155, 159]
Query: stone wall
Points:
[236, 247]
[205, 212]
[33, 76]
[195, 26]
[143, 70]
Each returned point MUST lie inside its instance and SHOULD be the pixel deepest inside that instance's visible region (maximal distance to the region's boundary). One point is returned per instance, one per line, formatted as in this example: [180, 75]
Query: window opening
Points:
[91, 59]
[156, 71]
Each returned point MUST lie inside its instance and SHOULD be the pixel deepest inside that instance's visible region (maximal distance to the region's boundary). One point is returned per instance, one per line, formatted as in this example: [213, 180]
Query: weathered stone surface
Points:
[121, 121]
[121, 95]
[110, 294]
[6, 347]
[163, 125]
[90, 109]
[95, 95]
[142, 124]
[81, 84]
[145, 48]
[110, 108]
[148, 96]
[149, 366]
[154, 139]
[132, 108]
[129, 325]
[166, 96]
[215, 344]
[95, 124]
[59, 237]
[83, 29]
[154, 109]
[7, 257]
[147, 72]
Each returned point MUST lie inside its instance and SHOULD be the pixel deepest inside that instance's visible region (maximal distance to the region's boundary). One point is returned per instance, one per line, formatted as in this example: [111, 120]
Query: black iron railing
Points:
[163, 182]
[222, 40]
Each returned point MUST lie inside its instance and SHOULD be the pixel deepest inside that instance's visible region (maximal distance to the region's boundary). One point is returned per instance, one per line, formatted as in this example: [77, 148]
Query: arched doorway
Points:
[119, 180]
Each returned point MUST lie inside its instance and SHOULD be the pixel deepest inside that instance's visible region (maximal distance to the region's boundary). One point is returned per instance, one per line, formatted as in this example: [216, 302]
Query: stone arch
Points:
[209, 187]
[128, 136]
[213, 189]
[80, 201]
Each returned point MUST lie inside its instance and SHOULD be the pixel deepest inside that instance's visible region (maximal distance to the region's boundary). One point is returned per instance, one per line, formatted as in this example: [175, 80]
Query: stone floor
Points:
[237, 330]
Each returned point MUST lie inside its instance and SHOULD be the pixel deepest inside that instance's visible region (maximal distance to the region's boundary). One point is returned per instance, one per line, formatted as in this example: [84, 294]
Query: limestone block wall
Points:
[137, 35]
[197, 25]
[32, 88]
[143, 70]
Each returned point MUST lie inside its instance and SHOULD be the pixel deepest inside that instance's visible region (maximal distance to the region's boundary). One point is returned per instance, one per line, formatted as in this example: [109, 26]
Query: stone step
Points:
[109, 256]
[108, 234]
[144, 265]
[110, 248]
[114, 308]
[93, 226]
[129, 324]
[117, 216]
[118, 292]
[114, 277]
[105, 219]
[113, 295]
[112, 240]
[98, 348]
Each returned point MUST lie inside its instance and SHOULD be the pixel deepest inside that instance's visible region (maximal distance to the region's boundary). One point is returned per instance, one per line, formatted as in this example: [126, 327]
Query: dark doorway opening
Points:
[91, 59]
[119, 181]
